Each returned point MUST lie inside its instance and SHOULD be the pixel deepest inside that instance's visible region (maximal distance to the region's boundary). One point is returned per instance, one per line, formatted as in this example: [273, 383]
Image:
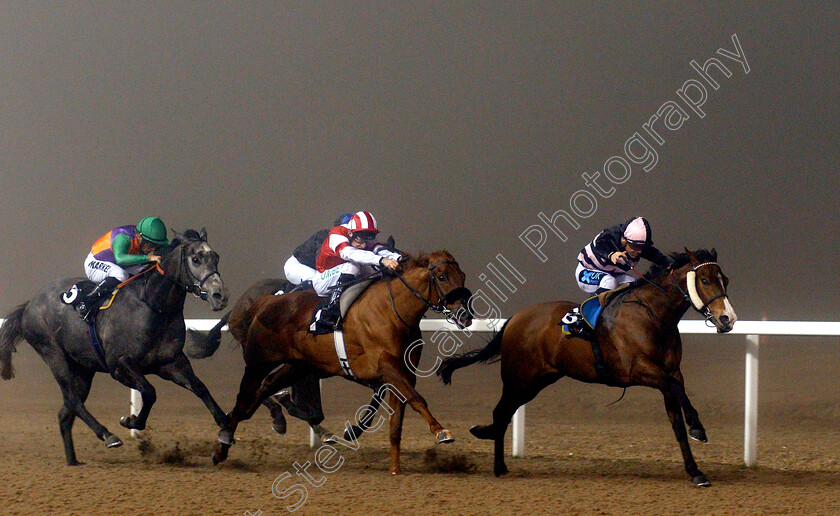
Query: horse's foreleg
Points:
[395, 431]
[672, 406]
[649, 374]
[695, 427]
[395, 375]
[126, 373]
[181, 373]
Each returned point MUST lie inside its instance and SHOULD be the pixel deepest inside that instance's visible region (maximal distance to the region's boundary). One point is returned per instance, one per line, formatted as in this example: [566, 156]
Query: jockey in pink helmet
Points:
[350, 250]
[605, 262]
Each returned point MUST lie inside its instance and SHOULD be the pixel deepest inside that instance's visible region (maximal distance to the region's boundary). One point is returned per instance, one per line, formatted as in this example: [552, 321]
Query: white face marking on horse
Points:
[727, 306]
[729, 311]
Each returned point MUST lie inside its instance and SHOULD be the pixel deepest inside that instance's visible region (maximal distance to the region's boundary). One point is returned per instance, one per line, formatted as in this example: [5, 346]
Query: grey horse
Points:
[142, 332]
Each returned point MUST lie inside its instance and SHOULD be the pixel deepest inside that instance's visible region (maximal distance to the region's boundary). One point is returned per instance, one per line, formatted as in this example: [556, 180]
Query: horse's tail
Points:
[10, 335]
[203, 345]
[485, 354]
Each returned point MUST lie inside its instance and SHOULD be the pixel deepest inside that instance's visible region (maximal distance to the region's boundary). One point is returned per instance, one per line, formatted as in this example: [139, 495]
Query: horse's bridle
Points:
[693, 297]
[462, 293]
[193, 285]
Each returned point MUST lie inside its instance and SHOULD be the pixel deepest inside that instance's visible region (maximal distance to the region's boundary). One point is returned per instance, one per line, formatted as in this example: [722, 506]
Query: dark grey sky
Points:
[456, 125]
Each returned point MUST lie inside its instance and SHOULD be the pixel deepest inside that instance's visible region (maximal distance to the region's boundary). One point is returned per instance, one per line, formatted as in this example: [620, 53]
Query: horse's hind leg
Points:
[253, 389]
[278, 423]
[75, 383]
[304, 403]
[181, 372]
[126, 373]
[695, 427]
[515, 393]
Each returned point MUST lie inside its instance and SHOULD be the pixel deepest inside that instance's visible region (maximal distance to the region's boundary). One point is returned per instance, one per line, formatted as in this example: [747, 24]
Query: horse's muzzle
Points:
[217, 298]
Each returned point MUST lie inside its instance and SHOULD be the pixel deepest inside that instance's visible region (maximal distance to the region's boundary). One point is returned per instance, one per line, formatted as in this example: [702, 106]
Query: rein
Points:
[443, 299]
[691, 296]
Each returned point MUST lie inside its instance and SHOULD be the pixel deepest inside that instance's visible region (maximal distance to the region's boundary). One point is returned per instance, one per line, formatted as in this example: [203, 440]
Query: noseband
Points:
[693, 297]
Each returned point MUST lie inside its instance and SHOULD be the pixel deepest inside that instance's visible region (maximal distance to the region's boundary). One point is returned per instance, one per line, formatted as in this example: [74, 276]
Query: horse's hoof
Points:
[329, 438]
[396, 472]
[220, 453]
[500, 470]
[226, 437]
[701, 481]
[444, 437]
[112, 441]
[130, 422]
[698, 434]
[352, 433]
[483, 432]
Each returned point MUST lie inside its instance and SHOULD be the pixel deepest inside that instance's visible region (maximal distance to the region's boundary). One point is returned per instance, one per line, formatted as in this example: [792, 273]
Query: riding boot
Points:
[600, 290]
[92, 300]
[330, 319]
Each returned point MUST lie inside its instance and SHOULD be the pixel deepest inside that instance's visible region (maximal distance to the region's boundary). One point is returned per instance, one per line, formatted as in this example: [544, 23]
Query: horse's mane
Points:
[189, 235]
[680, 259]
[423, 260]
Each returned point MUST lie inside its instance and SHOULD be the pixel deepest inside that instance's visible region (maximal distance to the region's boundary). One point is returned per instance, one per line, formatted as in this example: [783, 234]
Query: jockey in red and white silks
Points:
[605, 263]
[300, 266]
[351, 249]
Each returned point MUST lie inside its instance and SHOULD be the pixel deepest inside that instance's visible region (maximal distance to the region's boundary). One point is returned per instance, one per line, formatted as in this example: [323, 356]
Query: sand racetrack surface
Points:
[582, 457]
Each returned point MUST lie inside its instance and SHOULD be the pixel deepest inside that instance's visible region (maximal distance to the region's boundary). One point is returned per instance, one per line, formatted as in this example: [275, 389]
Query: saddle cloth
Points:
[589, 311]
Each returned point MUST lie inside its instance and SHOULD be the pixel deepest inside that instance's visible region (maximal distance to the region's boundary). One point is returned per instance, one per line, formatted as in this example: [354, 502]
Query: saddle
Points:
[348, 297]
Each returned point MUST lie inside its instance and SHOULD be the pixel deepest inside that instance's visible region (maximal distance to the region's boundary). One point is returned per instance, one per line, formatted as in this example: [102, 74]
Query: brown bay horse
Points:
[639, 342]
[378, 329]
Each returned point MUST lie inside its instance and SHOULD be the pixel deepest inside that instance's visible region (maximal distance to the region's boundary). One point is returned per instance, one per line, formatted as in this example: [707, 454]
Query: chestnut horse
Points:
[378, 329]
[639, 342]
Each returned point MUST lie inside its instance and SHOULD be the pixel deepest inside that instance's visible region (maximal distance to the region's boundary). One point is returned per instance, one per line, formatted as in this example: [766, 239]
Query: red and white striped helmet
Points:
[363, 221]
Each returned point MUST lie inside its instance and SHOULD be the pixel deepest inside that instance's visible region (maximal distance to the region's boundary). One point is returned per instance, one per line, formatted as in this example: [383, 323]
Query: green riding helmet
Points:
[154, 230]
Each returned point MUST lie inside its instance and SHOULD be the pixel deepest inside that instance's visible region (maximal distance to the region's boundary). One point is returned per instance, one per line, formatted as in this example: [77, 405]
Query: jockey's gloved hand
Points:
[389, 263]
[616, 257]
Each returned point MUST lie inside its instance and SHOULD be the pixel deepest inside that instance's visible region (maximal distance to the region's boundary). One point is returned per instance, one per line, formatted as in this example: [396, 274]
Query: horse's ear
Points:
[713, 252]
[390, 242]
[422, 260]
[203, 234]
[691, 257]
[176, 235]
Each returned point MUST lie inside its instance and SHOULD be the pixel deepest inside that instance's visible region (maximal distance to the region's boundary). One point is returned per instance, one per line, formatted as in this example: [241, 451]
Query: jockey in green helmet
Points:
[120, 253]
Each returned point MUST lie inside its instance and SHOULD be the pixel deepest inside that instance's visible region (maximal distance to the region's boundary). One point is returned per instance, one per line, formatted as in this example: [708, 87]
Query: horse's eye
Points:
[196, 261]
[704, 281]
[442, 277]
